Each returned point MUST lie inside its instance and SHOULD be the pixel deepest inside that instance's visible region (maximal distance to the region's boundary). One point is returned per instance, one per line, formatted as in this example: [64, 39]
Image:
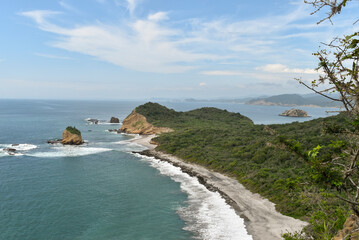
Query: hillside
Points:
[294, 100]
[256, 155]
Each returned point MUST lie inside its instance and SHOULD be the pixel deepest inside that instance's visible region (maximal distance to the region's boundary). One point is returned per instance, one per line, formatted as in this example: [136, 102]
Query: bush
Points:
[73, 130]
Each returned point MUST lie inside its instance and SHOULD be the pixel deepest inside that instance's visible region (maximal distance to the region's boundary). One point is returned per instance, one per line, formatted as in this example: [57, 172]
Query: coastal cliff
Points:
[136, 123]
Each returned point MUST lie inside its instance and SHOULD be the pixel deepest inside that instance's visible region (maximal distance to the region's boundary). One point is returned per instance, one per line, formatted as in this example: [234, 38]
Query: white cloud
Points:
[202, 84]
[280, 68]
[158, 16]
[51, 56]
[68, 6]
[131, 5]
[146, 46]
[221, 73]
[153, 45]
[39, 16]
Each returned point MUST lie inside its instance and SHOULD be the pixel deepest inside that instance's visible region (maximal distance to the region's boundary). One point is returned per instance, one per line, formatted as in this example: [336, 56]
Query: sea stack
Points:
[114, 120]
[294, 113]
[71, 136]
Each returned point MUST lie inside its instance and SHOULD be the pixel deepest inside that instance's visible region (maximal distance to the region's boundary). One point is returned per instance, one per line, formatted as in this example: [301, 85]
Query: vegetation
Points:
[73, 130]
[335, 165]
[266, 159]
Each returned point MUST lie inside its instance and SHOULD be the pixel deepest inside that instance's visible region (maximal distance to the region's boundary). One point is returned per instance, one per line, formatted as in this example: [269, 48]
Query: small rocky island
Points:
[294, 113]
[70, 136]
[114, 120]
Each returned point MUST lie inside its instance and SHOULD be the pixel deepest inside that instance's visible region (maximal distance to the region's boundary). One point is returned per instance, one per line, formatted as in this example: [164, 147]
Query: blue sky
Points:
[136, 49]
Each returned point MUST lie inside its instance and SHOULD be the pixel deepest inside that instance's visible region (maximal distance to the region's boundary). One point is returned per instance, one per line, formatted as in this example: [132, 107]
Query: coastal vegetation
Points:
[73, 130]
[267, 159]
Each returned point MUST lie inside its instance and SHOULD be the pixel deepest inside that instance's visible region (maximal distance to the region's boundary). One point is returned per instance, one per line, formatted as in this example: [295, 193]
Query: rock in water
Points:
[294, 113]
[71, 136]
[92, 120]
[114, 120]
[54, 141]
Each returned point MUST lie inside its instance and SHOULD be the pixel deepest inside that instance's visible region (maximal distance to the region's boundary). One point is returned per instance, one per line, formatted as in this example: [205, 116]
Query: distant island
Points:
[294, 100]
[288, 100]
[294, 113]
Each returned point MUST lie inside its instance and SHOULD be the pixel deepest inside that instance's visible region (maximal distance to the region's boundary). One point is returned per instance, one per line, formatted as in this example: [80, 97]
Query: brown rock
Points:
[71, 138]
[92, 120]
[9, 150]
[136, 123]
[350, 229]
[114, 120]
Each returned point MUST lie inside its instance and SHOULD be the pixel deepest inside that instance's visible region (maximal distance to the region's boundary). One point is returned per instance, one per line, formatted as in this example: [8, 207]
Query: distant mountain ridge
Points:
[294, 100]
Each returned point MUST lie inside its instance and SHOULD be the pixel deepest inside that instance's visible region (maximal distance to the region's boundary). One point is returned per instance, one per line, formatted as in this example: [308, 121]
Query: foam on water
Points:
[128, 146]
[20, 149]
[69, 151]
[108, 123]
[207, 215]
[100, 122]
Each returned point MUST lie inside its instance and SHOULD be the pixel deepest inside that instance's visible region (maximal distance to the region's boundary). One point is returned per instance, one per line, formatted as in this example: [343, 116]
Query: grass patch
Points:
[73, 130]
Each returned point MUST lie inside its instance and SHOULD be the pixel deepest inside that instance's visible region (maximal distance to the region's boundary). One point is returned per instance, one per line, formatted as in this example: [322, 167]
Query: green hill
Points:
[258, 156]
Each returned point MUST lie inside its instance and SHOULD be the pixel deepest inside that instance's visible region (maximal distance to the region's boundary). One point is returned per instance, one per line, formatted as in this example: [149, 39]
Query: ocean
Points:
[101, 190]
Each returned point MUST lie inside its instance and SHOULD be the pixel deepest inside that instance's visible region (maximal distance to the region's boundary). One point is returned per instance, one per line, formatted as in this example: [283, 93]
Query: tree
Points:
[339, 68]
[334, 5]
[336, 165]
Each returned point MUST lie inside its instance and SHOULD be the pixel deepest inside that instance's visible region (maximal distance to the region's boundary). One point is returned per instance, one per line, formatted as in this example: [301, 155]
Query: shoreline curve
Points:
[262, 220]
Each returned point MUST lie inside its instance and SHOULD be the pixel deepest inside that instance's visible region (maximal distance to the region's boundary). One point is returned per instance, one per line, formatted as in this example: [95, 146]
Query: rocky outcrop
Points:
[54, 141]
[114, 130]
[294, 113]
[350, 229]
[70, 138]
[114, 120]
[10, 151]
[136, 123]
[92, 120]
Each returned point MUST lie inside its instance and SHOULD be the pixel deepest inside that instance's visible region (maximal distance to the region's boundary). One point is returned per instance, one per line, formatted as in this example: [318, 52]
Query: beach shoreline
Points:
[261, 219]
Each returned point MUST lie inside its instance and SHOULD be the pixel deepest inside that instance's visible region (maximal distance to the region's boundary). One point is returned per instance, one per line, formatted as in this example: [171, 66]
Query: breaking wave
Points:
[207, 215]
[69, 151]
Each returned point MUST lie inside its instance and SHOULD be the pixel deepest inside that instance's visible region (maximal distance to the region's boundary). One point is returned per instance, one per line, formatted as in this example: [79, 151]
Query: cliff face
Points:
[136, 123]
[71, 138]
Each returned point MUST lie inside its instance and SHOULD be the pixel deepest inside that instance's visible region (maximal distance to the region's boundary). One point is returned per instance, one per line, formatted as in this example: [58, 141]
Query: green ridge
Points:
[230, 143]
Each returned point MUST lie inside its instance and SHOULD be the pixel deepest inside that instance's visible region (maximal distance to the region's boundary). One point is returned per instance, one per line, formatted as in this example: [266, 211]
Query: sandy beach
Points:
[262, 221]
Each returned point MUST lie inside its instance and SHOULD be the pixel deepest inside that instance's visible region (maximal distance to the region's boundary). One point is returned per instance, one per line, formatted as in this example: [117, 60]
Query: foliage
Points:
[73, 130]
[335, 165]
[258, 156]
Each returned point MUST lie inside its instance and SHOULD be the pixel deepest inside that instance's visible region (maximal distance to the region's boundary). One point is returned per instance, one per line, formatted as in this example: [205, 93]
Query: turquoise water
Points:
[101, 190]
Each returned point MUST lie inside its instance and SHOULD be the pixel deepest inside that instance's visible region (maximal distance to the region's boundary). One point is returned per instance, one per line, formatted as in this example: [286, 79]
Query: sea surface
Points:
[101, 190]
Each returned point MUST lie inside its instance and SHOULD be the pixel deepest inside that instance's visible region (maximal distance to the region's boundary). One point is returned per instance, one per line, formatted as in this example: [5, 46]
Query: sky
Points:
[150, 49]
